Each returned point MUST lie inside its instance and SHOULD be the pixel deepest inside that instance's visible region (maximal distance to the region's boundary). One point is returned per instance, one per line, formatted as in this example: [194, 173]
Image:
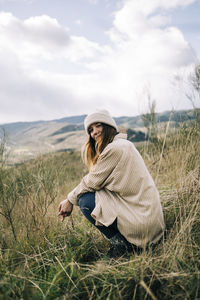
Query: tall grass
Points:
[42, 258]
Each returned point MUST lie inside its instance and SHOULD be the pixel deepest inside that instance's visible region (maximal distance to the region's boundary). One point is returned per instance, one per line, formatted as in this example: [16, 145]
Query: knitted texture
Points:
[101, 116]
[124, 190]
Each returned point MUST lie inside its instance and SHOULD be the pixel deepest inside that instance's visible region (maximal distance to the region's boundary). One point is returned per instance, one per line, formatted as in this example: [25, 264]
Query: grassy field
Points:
[43, 258]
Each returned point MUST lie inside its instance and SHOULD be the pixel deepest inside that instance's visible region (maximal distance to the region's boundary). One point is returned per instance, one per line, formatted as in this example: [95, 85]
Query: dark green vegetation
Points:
[43, 258]
[136, 136]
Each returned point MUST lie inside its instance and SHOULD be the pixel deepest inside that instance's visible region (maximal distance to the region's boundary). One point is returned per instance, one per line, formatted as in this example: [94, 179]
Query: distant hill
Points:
[127, 122]
[73, 119]
[26, 139]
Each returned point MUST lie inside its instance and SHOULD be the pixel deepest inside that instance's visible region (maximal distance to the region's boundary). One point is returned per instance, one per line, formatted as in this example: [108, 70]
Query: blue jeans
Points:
[87, 204]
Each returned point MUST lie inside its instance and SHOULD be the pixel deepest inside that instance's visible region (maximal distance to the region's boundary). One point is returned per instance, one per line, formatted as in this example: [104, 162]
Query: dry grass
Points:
[47, 259]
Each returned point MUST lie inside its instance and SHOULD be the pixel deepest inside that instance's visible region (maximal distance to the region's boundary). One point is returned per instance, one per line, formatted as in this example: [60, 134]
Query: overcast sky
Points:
[61, 58]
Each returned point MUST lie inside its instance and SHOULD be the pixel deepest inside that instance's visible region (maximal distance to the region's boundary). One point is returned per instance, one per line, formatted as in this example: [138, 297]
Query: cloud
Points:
[45, 31]
[93, 1]
[34, 55]
[48, 73]
[78, 22]
[4, 1]
[42, 36]
[136, 17]
[33, 39]
[24, 94]
[148, 50]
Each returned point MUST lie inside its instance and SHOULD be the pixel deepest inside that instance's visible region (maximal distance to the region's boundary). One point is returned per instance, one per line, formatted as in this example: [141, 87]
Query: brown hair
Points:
[93, 150]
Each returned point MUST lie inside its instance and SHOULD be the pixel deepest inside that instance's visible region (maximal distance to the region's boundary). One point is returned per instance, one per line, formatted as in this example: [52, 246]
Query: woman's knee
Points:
[87, 201]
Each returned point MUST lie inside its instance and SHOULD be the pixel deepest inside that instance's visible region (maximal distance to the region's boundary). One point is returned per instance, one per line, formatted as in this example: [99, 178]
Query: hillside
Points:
[44, 258]
[25, 140]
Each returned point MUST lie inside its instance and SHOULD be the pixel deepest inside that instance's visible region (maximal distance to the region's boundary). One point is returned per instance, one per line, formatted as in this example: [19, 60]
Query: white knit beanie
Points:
[101, 116]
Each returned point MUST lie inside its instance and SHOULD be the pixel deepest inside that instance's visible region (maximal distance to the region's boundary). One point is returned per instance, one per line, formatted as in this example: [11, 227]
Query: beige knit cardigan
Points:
[124, 190]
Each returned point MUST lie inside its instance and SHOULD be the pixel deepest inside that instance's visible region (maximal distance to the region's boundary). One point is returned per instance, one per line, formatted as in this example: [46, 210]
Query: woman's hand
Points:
[65, 209]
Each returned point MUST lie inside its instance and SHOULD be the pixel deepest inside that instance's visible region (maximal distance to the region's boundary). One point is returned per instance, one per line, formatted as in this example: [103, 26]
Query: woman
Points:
[118, 195]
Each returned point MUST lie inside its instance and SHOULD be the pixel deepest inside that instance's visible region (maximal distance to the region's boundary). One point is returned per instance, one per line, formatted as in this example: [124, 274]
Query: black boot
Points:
[119, 246]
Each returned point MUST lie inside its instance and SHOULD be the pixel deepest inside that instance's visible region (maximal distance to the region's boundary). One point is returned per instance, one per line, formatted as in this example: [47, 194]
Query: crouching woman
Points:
[118, 195]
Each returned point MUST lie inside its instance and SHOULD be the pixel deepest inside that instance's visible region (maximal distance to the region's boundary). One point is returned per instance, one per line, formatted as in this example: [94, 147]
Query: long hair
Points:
[92, 150]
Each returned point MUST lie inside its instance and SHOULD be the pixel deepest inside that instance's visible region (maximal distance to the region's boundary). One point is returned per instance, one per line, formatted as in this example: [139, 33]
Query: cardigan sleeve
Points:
[97, 178]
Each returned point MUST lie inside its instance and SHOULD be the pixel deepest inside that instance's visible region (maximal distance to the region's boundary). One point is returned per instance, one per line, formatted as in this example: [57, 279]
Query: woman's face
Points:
[95, 130]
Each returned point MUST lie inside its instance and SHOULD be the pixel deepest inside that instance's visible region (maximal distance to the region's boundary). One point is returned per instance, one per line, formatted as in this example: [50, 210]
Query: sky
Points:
[62, 58]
